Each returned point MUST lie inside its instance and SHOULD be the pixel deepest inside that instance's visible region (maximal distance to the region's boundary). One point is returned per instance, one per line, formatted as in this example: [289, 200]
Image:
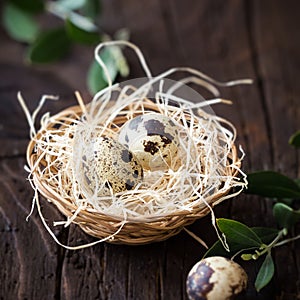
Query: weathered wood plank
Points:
[277, 66]
[226, 40]
[28, 257]
[82, 270]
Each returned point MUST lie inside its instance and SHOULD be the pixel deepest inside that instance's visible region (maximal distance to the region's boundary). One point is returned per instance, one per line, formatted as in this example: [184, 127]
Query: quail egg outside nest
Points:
[153, 138]
[216, 278]
[109, 166]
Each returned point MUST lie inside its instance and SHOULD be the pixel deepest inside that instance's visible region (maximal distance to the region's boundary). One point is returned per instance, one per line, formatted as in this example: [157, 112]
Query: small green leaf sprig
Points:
[252, 243]
[79, 26]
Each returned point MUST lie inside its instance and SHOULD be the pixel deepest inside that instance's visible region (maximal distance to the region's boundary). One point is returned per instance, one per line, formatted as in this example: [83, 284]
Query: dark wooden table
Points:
[225, 39]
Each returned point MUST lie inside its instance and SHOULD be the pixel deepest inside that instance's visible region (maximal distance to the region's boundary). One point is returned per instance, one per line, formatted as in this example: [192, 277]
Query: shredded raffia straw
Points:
[202, 175]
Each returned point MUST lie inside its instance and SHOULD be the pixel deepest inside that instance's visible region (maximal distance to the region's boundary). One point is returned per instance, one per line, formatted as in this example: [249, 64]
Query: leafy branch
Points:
[78, 25]
[257, 242]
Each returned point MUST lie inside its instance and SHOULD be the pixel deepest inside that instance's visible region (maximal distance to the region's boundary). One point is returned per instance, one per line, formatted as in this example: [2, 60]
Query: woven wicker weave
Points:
[101, 225]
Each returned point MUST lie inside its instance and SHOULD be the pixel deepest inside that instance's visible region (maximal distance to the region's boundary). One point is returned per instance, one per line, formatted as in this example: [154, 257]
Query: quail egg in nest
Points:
[109, 167]
[153, 139]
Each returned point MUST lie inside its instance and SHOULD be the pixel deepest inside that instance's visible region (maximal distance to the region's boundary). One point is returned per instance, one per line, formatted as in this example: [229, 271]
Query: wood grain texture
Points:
[225, 39]
[279, 89]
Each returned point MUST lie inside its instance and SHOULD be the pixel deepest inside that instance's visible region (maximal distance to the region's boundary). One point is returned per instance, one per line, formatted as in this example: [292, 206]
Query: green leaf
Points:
[121, 62]
[30, 6]
[81, 36]
[287, 201]
[96, 78]
[91, 9]
[246, 256]
[265, 273]
[239, 233]
[217, 249]
[71, 4]
[285, 216]
[272, 184]
[114, 61]
[266, 234]
[82, 22]
[20, 25]
[50, 46]
[295, 139]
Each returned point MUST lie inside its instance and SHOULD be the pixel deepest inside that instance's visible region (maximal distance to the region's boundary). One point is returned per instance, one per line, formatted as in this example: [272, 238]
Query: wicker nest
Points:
[50, 180]
[204, 173]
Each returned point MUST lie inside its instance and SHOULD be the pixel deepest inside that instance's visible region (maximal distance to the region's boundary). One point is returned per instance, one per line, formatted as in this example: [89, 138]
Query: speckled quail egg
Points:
[153, 138]
[110, 167]
[215, 278]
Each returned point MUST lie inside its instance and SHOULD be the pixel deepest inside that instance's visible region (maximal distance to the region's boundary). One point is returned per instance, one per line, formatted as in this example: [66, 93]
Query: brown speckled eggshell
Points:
[111, 165]
[215, 278]
[153, 138]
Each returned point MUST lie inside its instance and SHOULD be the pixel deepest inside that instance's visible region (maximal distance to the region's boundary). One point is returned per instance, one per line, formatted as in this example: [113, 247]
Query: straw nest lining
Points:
[202, 174]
